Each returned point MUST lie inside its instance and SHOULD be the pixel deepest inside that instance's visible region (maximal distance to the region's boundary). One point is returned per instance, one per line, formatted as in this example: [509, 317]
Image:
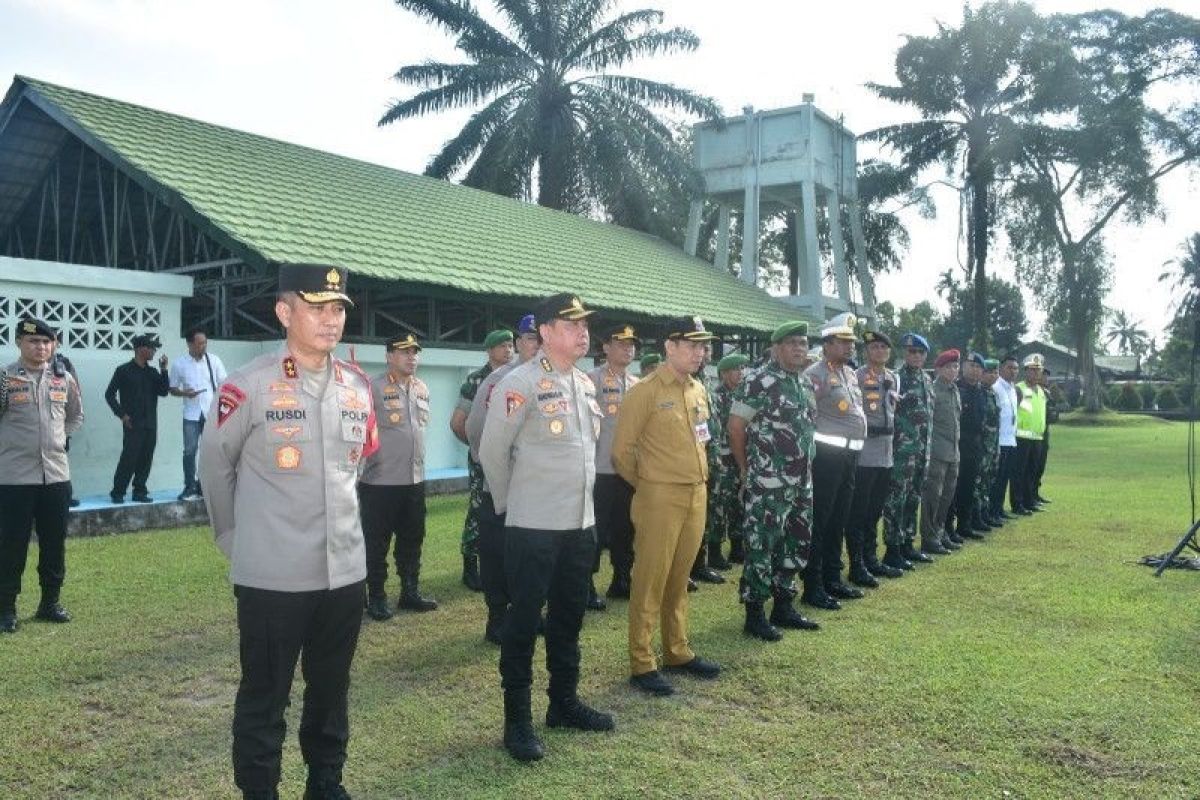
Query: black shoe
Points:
[894, 563]
[117, 499]
[521, 742]
[1022, 512]
[784, 616]
[757, 626]
[260, 794]
[933, 549]
[325, 783]
[698, 667]
[470, 574]
[652, 683]
[737, 553]
[8, 621]
[874, 566]
[495, 623]
[574, 713]
[618, 589]
[970, 533]
[715, 559]
[74, 502]
[412, 600]
[707, 575]
[1035, 509]
[52, 612]
[861, 576]
[141, 498]
[1037, 498]
[843, 592]
[981, 525]
[377, 608]
[996, 521]
[821, 600]
[594, 601]
[692, 586]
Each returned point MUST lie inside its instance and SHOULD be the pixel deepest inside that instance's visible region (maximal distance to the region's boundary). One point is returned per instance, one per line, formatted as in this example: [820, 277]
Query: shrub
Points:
[1184, 391]
[1168, 400]
[1128, 398]
[1113, 396]
[1148, 393]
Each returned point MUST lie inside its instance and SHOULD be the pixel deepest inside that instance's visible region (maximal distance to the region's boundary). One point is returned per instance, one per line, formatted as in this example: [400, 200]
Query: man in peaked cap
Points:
[1031, 427]
[392, 487]
[872, 478]
[538, 454]
[279, 461]
[40, 406]
[660, 448]
[499, 347]
[910, 455]
[724, 518]
[841, 434]
[133, 394]
[771, 430]
[613, 494]
[939, 486]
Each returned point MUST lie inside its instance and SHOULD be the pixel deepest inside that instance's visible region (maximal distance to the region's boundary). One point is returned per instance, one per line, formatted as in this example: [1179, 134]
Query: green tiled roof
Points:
[289, 203]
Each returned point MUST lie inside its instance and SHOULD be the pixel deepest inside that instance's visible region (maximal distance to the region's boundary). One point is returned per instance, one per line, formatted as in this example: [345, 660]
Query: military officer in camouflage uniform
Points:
[701, 571]
[279, 461]
[724, 519]
[648, 363]
[491, 525]
[499, 347]
[910, 455]
[392, 488]
[538, 453]
[872, 478]
[613, 495]
[40, 407]
[772, 422]
[841, 433]
[985, 515]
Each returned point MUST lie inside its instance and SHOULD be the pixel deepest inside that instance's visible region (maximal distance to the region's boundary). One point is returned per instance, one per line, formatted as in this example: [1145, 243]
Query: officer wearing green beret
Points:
[499, 346]
[724, 506]
[649, 363]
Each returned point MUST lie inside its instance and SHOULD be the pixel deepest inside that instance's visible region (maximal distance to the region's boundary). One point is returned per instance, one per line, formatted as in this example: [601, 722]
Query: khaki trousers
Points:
[668, 522]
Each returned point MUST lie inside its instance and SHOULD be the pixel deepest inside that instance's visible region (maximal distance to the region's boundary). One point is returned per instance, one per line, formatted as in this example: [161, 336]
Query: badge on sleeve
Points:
[513, 402]
[702, 434]
[231, 398]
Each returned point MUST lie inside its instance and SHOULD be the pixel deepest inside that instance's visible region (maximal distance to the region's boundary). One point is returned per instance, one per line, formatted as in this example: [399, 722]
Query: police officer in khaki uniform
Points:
[279, 461]
[491, 524]
[614, 528]
[40, 407]
[538, 453]
[660, 449]
[392, 488]
[841, 433]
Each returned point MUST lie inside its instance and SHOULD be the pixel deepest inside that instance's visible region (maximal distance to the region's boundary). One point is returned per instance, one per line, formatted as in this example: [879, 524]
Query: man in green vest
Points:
[1031, 426]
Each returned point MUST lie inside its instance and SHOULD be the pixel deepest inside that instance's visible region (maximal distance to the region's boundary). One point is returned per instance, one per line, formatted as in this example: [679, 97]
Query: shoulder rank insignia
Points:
[289, 367]
[546, 365]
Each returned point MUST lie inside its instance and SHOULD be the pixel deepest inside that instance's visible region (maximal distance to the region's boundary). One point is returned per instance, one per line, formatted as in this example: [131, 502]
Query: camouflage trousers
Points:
[475, 490]
[724, 515]
[987, 478]
[904, 496]
[777, 532]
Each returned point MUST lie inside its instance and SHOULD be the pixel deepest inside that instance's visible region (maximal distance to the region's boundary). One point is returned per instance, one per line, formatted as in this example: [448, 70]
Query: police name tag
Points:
[702, 434]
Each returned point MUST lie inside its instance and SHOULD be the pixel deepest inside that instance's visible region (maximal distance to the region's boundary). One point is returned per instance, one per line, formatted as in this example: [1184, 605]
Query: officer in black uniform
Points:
[133, 394]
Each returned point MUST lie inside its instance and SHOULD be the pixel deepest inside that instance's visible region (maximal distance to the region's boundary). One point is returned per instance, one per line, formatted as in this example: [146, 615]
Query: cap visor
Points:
[316, 298]
[572, 315]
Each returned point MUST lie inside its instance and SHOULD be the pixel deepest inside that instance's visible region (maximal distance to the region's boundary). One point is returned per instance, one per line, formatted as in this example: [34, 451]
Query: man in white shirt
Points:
[1006, 398]
[195, 378]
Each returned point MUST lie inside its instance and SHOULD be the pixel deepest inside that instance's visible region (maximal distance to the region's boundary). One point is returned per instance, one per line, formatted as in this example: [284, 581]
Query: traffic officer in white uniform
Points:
[279, 461]
[392, 488]
[40, 407]
[538, 454]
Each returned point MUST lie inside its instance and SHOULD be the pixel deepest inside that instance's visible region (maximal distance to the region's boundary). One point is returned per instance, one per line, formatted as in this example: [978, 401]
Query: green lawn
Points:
[1041, 663]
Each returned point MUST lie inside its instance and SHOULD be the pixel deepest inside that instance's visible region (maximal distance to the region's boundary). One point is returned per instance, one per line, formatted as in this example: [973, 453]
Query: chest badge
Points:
[557, 426]
[287, 457]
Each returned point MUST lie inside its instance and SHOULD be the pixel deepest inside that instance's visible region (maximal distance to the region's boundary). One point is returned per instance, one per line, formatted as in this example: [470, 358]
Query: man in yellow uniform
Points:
[659, 448]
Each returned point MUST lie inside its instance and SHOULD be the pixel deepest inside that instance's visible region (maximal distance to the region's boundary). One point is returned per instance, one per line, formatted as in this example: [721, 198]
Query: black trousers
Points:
[491, 555]
[833, 491]
[550, 568]
[1004, 470]
[22, 508]
[871, 485]
[963, 510]
[388, 510]
[137, 452]
[1039, 464]
[319, 628]
[614, 527]
[1024, 459]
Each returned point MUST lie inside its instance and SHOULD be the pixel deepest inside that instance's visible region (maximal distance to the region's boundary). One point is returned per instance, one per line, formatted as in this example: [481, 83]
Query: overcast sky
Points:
[318, 73]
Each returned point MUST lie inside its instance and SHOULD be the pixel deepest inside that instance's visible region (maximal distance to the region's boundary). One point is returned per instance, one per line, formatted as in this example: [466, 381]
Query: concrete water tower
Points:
[789, 159]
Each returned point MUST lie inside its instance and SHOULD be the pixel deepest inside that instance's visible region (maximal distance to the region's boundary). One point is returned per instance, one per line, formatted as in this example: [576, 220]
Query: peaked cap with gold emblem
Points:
[561, 306]
[29, 326]
[690, 329]
[315, 283]
[408, 342]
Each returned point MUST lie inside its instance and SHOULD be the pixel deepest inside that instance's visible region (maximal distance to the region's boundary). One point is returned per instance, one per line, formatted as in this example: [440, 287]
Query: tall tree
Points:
[1006, 319]
[556, 118]
[1183, 276]
[1101, 161]
[973, 86]
[1127, 334]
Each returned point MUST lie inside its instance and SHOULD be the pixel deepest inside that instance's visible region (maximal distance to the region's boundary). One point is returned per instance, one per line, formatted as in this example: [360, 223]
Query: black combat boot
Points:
[377, 607]
[470, 576]
[860, 576]
[325, 783]
[8, 617]
[571, 712]
[519, 739]
[619, 588]
[969, 532]
[715, 559]
[894, 561]
[914, 555]
[702, 573]
[49, 609]
[933, 547]
[410, 593]
[757, 625]
[737, 552]
[783, 615]
[594, 601]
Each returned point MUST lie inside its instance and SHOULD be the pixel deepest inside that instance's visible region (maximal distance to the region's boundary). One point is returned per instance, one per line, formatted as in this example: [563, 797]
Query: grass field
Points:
[1041, 663]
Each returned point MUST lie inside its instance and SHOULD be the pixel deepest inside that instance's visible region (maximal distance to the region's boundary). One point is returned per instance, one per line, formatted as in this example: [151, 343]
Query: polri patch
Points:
[513, 402]
[287, 457]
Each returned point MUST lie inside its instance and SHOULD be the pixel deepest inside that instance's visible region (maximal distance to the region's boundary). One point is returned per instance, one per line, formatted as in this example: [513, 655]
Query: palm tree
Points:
[554, 115]
[974, 87]
[1127, 333]
[1183, 275]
